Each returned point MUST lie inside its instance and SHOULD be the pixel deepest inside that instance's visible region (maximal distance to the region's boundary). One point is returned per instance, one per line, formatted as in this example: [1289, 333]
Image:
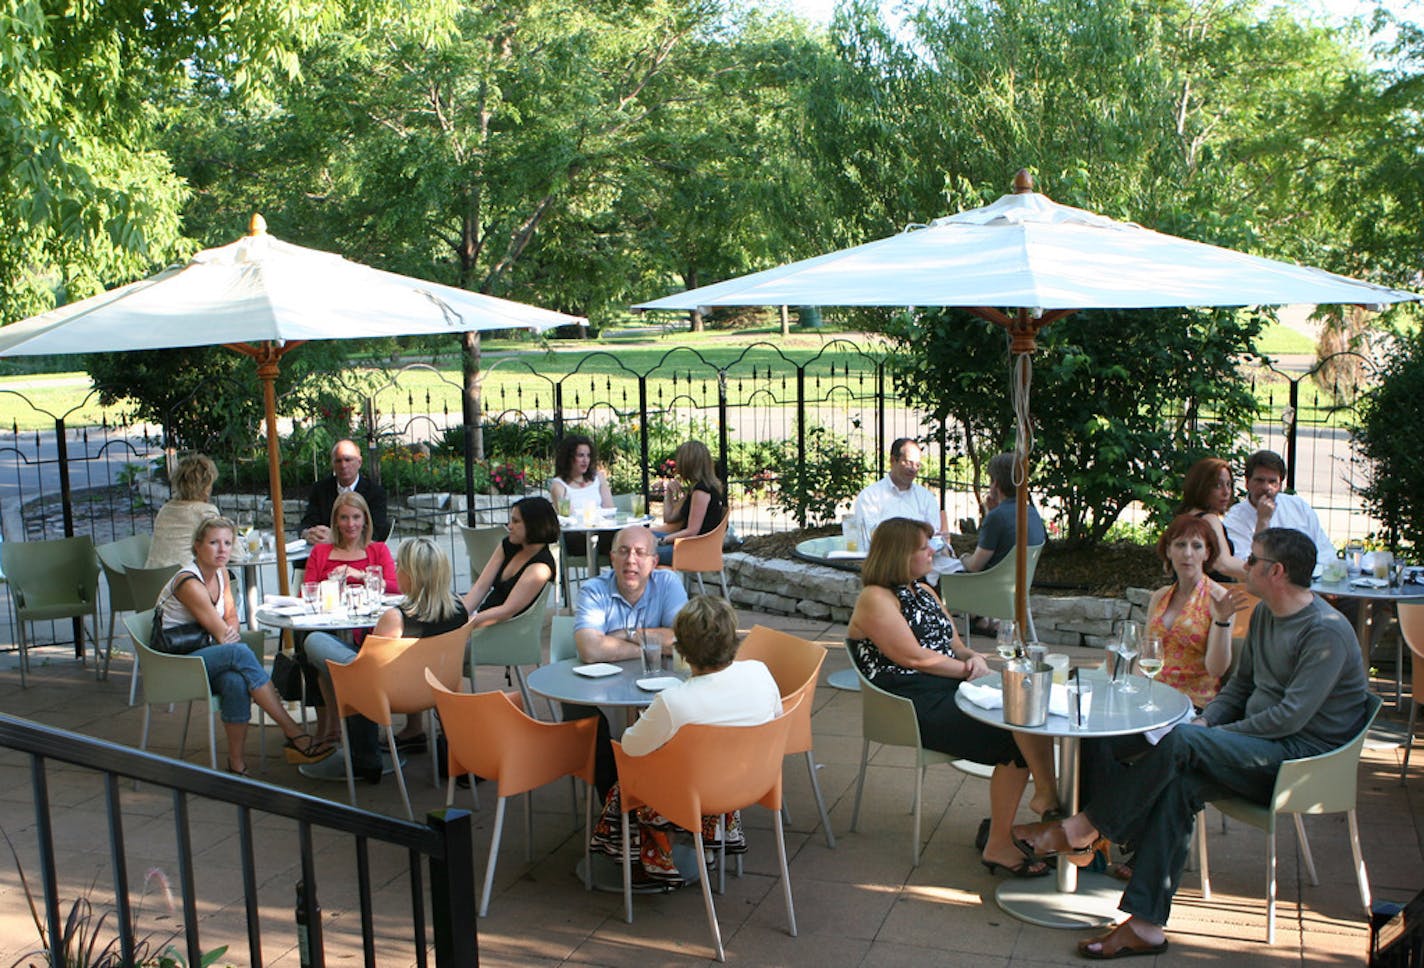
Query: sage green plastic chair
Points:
[480, 545]
[51, 580]
[561, 639]
[989, 592]
[1411, 627]
[891, 721]
[1312, 784]
[513, 643]
[145, 585]
[169, 679]
[115, 558]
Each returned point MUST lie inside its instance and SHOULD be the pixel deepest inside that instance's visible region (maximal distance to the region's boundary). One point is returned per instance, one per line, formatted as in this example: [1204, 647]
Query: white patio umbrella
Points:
[263, 297]
[1040, 261]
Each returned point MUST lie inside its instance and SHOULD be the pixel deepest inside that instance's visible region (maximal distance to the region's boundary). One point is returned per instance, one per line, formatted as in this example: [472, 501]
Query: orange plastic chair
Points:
[387, 677]
[1411, 626]
[795, 664]
[708, 770]
[490, 734]
[703, 553]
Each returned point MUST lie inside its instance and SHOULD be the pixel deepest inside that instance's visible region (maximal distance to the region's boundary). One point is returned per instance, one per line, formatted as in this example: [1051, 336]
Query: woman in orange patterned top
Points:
[1193, 615]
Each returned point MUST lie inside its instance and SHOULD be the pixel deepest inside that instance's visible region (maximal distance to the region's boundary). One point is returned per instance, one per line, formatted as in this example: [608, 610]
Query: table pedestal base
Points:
[1038, 901]
[844, 679]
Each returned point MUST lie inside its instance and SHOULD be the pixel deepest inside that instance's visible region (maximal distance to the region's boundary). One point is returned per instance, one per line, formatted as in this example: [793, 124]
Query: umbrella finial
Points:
[1023, 182]
[257, 225]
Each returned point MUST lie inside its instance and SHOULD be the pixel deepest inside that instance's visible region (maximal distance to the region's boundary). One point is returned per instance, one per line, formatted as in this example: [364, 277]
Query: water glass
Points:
[1007, 643]
[375, 587]
[564, 507]
[652, 651]
[640, 506]
[355, 596]
[1058, 662]
[1080, 702]
[1127, 652]
[311, 595]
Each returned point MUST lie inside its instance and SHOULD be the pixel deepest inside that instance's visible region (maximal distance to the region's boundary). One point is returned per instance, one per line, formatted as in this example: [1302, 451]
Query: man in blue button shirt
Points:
[629, 599]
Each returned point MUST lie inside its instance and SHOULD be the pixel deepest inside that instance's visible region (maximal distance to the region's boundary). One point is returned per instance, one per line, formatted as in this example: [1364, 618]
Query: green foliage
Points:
[1122, 402]
[1392, 452]
[833, 473]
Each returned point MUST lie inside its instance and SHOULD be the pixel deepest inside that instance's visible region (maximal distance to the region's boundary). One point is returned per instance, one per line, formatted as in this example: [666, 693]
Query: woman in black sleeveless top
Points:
[519, 570]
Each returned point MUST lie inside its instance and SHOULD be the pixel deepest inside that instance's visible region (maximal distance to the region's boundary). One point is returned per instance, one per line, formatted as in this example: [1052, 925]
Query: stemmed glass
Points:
[1150, 662]
[1007, 644]
[1127, 652]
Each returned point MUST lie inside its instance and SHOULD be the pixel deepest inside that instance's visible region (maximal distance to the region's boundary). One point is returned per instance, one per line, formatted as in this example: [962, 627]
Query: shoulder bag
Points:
[177, 639]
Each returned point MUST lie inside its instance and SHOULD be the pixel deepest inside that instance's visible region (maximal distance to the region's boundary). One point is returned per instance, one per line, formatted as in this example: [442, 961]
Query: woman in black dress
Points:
[693, 503]
[904, 641]
[519, 570]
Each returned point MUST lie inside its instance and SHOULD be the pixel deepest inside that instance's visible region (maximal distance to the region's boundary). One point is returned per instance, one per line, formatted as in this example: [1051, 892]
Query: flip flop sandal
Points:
[1131, 947]
[1026, 868]
[304, 748]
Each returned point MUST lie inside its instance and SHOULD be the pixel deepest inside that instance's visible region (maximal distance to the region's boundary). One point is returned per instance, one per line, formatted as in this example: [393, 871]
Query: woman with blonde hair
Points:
[350, 551]
[693, 503]
[904, 641]
[190, 505]
[424, 575]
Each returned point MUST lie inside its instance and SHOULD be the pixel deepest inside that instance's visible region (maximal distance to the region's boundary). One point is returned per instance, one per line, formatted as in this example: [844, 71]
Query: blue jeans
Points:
[363, 735]
[233, 673]
[1153, 801]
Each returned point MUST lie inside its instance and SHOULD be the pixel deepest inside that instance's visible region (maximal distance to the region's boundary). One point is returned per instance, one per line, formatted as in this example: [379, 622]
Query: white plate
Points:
[597, 670]
[393, 599]
[658, 683]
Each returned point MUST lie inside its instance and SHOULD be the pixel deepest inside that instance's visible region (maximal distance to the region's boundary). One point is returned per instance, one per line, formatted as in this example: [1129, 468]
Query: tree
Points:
[1392, 453]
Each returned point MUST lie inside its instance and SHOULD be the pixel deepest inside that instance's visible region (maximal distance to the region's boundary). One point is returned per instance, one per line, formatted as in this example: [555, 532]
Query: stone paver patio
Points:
[861, 904]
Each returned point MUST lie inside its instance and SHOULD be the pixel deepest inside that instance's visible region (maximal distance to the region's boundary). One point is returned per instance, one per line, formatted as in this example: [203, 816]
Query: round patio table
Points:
[1074, 898]
[817, 551]
[1363, 590]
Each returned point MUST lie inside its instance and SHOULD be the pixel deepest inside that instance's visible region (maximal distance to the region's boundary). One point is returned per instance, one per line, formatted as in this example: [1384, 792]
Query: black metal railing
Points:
[444, 842]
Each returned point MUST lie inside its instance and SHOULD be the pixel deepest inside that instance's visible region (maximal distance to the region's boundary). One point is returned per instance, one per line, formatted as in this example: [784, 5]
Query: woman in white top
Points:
[577, 477]
[200, 592]
[721, 692]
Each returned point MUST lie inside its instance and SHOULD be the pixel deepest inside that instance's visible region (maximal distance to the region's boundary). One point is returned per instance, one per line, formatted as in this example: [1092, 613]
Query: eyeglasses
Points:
[1251, 559]
[625, 551]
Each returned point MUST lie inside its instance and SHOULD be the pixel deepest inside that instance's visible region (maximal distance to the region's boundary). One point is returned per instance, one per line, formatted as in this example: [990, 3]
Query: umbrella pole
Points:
[267, 373]
[1022, 345]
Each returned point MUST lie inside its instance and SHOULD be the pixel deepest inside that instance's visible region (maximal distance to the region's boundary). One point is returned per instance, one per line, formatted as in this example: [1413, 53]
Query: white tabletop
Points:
[605, 522]
[559, 682]
[1345, 589]
[322, 622]
[1113, 712]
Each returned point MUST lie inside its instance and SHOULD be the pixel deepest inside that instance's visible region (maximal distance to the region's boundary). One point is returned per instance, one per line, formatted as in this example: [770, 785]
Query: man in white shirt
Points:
[896, 495]
[1267, 507]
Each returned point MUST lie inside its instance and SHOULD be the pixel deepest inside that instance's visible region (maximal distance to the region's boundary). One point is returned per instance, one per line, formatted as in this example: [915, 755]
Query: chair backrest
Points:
[166, 678]
[145, 584]
[703, 552]
[490, 735]
[388, 675]
[515, 641]
[707, 770]
[116, 558]
[885, 717]
[989, 592]
[795, 664]
[480, 545]
[1411, 626]
[561, 639]
[1325, 783]
[63, 570]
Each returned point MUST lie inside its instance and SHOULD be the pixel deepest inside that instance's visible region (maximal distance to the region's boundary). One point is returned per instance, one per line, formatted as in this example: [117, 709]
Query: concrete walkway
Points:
[861, 904]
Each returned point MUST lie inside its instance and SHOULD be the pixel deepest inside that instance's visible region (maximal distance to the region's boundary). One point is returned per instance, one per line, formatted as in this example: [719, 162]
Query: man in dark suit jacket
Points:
[345, 476]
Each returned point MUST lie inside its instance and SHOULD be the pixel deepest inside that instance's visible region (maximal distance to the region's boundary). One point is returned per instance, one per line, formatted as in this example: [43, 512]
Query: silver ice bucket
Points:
[1026, 689]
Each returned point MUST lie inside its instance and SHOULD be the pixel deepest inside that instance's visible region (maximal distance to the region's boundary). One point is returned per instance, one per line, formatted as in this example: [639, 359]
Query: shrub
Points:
[1390, 448]
[832, 475]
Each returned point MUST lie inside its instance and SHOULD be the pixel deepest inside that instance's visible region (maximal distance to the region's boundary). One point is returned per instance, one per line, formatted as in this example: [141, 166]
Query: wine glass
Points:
[1007, 644]
[1150, 662]
[1127, 652]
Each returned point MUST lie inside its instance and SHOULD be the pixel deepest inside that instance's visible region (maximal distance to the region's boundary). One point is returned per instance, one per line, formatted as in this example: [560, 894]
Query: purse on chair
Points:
[177, 639]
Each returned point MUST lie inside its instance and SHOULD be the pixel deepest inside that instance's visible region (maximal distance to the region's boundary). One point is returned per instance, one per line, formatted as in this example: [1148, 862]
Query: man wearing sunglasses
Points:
[1299, 690]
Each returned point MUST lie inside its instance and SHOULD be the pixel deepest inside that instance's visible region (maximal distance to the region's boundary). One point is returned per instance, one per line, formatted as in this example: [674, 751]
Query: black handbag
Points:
[177, 639]
[287, 676]
[180, 639]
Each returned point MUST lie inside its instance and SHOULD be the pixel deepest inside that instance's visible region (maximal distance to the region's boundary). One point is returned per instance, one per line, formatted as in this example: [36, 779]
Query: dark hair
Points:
[706, 632]
[564, 457]
[1268, 459]
[894, 541]
[541, 522]
[1201, 481]
[1001, 474]
[897, 447]
[1293, 549]
[1188, 525]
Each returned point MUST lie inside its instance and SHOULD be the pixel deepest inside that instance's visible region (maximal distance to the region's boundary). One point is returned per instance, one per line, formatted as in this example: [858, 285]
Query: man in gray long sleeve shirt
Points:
[1300, 690]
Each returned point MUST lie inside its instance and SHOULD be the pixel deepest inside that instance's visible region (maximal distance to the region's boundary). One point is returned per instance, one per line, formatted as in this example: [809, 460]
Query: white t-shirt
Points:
[587, 496]
[1292, 511]
[743, 694]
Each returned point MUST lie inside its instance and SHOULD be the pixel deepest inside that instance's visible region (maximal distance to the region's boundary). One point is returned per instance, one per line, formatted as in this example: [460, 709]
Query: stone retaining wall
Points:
[786, 587]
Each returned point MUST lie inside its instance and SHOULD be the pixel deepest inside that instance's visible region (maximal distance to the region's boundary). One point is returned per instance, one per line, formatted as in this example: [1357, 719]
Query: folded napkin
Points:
[321, 618]
[273, 601]
[845, 554]
[286, 610]
[295, 546]
[992, 697]
[1370, 582]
